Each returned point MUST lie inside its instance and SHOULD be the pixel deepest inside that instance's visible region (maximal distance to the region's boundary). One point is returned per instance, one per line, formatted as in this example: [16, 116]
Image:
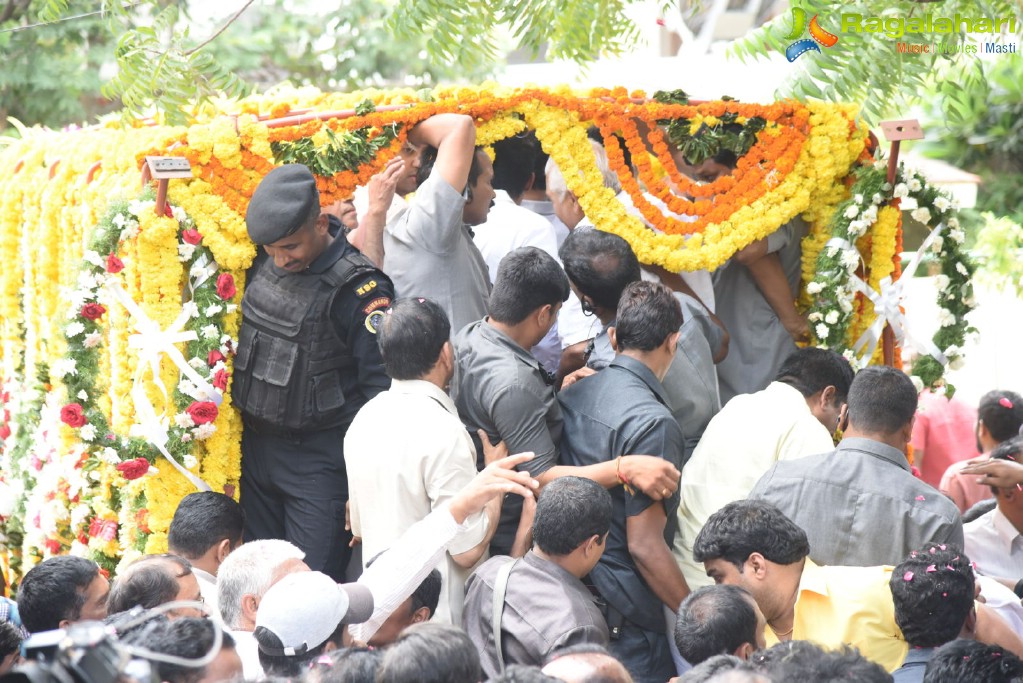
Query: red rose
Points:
[105, 529]
[202, 412]
[225, 286]
[219, 380]
[93, 311]
[52, 546]
[167, 210]
[192, 236]
[214, 357]
[5, 432]
[114, 264]
[72, 415]
[133, 469]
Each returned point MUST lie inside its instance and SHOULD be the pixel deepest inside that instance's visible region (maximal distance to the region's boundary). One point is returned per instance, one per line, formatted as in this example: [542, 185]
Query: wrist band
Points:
[1018, 589]
[622, 478]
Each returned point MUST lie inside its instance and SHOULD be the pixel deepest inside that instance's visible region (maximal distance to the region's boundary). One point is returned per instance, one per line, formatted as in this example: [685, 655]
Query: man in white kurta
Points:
[792, 418]
[407, 452]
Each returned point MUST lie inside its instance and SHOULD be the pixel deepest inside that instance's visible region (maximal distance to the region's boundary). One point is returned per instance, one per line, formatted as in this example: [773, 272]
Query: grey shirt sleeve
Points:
[953, 533]
[710, 330]
[762, 488]
[434, 219]
[777, 240]
[662, 438]
[520, 418]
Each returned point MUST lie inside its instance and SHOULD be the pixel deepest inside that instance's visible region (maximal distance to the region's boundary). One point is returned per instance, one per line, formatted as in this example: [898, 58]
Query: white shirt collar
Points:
[204, 575]
[503, 197]
[1007, 533]
[423, 388]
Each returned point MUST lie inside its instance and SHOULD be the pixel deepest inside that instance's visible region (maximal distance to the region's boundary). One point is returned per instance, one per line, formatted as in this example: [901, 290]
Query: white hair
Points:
[556, 181]
[249, 570]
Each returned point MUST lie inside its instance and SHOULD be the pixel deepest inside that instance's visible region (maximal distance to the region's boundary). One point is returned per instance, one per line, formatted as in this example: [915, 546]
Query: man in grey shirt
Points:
[501, 389]
[600, 265]
[860, 505]
[546, 605]
[759, 343]
[429, 251]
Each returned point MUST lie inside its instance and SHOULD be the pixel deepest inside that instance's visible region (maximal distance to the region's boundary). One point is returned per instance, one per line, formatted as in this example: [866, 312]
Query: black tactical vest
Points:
[290, 361]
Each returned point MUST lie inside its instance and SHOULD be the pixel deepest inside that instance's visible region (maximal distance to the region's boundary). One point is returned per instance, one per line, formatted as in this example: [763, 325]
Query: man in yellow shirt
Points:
[752, 544]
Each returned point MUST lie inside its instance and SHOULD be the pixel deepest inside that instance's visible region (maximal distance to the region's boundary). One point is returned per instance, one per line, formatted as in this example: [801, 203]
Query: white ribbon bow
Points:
[152, 343]
[887, 308]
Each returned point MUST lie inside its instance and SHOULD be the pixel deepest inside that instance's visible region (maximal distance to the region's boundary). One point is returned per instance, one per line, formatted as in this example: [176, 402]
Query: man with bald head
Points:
[586, 663]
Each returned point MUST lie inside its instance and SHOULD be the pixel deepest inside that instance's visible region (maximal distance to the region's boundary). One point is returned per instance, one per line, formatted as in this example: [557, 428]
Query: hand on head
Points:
[1001, 473]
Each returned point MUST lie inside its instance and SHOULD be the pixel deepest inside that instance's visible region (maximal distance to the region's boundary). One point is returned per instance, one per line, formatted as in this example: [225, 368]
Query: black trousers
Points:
[294, 487]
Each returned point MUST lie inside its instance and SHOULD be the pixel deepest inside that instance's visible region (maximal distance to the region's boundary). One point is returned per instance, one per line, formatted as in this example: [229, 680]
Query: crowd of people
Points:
[482, 442]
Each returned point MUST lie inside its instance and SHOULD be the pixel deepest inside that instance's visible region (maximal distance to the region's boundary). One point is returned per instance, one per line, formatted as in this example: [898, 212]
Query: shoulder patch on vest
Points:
[373, 321]
[376, 304]
[365, 288]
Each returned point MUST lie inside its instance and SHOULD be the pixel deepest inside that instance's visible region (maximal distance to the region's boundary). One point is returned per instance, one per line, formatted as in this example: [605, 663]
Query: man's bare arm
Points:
[369, 236]
[653, 558]
[454, 136]
[767, 272]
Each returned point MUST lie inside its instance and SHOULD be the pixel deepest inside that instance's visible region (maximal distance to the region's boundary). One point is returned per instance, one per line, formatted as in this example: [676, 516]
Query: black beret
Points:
[285, 200]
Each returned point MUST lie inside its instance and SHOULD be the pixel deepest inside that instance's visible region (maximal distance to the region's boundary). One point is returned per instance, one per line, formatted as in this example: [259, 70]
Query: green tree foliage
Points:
[160, 63]
[156, 64]
[978, 119]
[868, 67]
[160, 67]
[50, 73]
[468, 31]
[999, 251]
[346, 48]
[977, 123]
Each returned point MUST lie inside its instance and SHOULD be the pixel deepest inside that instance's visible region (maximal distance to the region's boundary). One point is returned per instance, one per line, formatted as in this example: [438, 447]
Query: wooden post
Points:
[895, 132]
[162, 169]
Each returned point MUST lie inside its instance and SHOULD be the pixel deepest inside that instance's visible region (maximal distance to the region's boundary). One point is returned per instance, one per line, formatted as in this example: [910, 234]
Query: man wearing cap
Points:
[303, 616]
[307, 361]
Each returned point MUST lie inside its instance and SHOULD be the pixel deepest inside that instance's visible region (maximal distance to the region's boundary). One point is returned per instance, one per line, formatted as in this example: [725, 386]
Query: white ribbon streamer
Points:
[152, 343]
[154, 430]
[887, 307]
[199, 273]
[844, 245]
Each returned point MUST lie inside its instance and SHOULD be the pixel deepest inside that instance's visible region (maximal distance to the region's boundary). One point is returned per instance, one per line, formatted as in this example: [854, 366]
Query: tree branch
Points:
[13, 10]
[223, 28]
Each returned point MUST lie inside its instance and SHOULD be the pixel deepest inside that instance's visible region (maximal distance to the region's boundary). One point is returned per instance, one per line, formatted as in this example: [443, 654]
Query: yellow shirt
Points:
[852, 606]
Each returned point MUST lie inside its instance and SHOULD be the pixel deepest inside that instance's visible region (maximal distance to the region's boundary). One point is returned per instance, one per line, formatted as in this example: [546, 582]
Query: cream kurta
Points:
[407, 453]
[751, 433]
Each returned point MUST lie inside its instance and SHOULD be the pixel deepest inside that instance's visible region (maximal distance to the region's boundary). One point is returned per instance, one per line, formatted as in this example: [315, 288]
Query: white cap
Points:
[303, 609]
